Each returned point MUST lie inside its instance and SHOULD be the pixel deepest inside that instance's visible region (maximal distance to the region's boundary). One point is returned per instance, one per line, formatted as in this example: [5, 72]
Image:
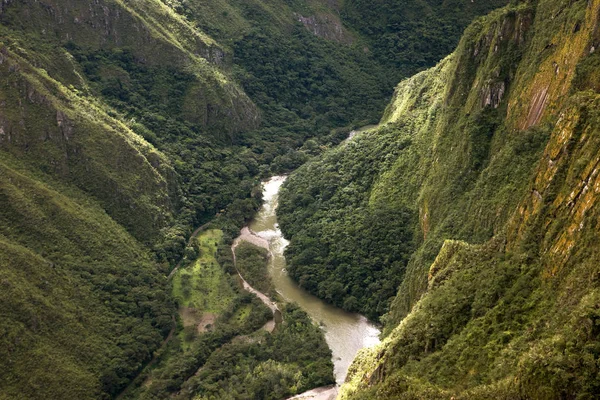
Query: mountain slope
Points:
[83, 196]
[126, 125]
[495, 148]
[83, 304]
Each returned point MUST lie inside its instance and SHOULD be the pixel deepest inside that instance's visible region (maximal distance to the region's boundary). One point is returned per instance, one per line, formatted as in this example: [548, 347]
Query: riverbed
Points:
[345, 333]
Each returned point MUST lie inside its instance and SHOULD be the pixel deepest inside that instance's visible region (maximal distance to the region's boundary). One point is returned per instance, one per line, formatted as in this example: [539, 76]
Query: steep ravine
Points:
[123, 125]
[345, 333]
[495, 154]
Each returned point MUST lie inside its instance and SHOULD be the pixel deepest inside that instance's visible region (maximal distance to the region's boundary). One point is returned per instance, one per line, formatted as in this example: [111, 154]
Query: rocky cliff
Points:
[510, 311]
[482, 174]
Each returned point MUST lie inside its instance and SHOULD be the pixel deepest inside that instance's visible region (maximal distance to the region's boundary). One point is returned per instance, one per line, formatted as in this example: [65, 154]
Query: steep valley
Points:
[479, 190]
[134, 136]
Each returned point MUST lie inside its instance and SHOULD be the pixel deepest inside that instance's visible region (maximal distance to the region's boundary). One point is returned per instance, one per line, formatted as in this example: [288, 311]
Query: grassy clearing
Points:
[241, 315]
[204, 285]
[203, 288]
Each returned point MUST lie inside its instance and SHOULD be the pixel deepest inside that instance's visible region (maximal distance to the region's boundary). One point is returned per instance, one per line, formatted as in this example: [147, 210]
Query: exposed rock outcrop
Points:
[326, 26]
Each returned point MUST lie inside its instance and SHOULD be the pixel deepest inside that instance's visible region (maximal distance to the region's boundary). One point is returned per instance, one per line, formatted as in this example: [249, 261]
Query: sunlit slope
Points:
[84, 196]
[482, 178]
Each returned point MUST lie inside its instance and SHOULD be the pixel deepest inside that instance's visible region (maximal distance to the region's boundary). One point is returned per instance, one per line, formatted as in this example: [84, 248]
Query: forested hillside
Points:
[410, 36]
[125, 125]
[483, 175]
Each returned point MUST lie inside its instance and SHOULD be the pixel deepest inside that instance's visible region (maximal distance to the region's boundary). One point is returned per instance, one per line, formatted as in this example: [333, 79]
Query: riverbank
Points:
[345, 333]
[321, 393]
[265, 353]
[247, 236]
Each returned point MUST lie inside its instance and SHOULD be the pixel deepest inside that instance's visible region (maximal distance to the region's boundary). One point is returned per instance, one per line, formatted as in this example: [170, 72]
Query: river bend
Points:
[345, 333]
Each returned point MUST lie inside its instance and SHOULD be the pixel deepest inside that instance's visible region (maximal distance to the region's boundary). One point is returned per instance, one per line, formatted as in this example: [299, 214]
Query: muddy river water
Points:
[345, 332]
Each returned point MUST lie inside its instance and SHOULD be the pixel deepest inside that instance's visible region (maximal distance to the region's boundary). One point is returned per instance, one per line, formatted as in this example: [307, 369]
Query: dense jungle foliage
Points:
[291, 360]
[251, 262]
[410, 36]
[233, 357]
[493, 154]
[123, 127]
[342, 249]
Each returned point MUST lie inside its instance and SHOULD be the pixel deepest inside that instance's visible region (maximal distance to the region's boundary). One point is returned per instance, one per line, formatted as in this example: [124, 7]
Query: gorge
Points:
[138, 137]
[345, 333]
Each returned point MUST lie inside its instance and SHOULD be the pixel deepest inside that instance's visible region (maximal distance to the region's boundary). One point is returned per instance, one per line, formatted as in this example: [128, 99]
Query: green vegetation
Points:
[310, 84]
[252, 262]
[293, 359]
[491, 326]
[204, 285]
[233, 357]
[203, 290]
[341, 249]
[410, 36]
[123, 137]
[305, 84]
[507, 307]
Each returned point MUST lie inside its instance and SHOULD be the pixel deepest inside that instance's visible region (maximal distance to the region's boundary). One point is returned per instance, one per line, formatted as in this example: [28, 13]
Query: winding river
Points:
[345, 332]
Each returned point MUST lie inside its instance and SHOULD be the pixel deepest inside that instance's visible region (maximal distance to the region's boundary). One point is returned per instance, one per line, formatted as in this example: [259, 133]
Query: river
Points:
[345, 333]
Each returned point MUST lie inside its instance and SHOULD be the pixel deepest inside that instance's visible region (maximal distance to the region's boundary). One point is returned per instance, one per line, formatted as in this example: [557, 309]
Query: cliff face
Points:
[492, 155]
[510, 310]
[496, 115]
